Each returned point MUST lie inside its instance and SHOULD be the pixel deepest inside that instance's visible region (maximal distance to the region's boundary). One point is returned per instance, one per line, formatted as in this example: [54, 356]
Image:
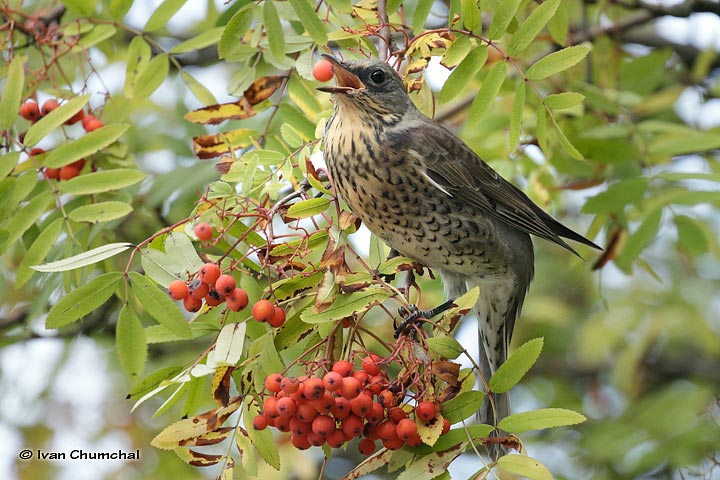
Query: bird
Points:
[431, 198]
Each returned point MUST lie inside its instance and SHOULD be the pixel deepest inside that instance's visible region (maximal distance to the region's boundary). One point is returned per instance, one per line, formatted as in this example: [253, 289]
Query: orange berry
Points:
[199, 290]
[178, 289]
[79, 164]
[336, 438]
[260, 422]
[352, 426]
[213, 298]
[209, 273]
[237, 300]
[406, 429]
[323, 425]
[446, 426]
[90, 123]
[49, 106]
[393, 444]
[30, 111]
[322, 71]
[351, 388]
[387, 430]
[192, 304]
[278, 318]
[341, 409]
[305, 412]
[225, 284]
[289, 385]
[426, 411]
[68, 171]
[396, 414]
[324, 404]
[263, 310]
[301, 442]
[315, 439]
[366, 447]
[51, 173]
[343, 367]
[203, 231]
[376, 414]
[313, 388]
[332, 381]
[361, 405]
[270, 407]
[282, 423]
[36, 151]
[362, 376]
[298, 427]
[75, 118]
[369, 364]
[272, 382]
[286, 407]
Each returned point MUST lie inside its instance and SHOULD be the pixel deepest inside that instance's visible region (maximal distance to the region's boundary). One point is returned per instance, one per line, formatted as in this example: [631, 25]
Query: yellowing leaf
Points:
[211, 146]
[525, 466]
[191, 428]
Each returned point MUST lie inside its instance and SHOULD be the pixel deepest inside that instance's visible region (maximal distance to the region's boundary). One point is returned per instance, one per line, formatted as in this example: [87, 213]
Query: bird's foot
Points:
[412, 314]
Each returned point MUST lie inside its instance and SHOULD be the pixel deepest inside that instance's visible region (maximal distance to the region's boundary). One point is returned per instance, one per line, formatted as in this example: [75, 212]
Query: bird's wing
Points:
[454, 168]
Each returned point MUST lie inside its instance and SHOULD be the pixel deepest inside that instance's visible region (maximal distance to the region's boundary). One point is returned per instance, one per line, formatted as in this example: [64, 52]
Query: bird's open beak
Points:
[346, 81]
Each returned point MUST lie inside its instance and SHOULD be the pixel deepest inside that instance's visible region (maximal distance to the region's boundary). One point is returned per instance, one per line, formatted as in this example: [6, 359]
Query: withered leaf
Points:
[262, 88]
[210, 438]
[446, 371]
[221, 385]
[211, 146]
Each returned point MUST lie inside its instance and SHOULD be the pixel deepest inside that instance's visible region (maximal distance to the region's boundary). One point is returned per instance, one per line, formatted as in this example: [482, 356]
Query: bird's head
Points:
[368, 85]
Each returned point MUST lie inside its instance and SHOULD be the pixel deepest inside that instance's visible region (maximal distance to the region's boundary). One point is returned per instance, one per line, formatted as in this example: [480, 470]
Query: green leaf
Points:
[151, 77]
[235, 29]
[38, 251]
[539, 419]
[162, 14]
[83, 259]
[617, 196]
[100, 212]
[152, 381]
[130, 342]
[488, 93]
[503, 15]
[532, 25]
[420, 15]
[54, 119]
[674, 144]
[84, 146]
[457, 51]
[274, 29]
[470, 14]
[516, 117]
[690, 235]
[83, 300]
[462, 406]
[102, 181]
[159, 305]
[26, 217]
[180, 249]
[456, 437]
[463, 73]
[525, 466]
[558, 24]
[346, 305]
[8, 163]
[263, 440]
[308, 208]
[160, 267]
[138, 56]
[200, 91]
[557, 62]
[639, 241]
[310, 20]
[85, 8]
[290, 135]
[202, 40]
[541, 127]
[118, 8]
[98, 34]
[563, 100]
[445, 346]
[516, 366]
[565, 142]
[12, 93]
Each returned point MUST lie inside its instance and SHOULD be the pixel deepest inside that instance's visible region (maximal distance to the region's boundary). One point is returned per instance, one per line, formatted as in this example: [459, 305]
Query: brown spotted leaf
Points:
[218, 113]
[221, 385]
[262, 88]
[447, 371]
[211, 146]
[210, 438]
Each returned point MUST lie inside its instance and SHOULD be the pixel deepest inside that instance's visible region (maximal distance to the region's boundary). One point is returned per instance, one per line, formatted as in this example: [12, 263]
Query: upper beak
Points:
[346, 81]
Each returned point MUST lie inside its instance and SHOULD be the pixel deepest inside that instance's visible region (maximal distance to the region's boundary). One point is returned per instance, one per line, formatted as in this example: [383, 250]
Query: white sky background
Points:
[27, 367]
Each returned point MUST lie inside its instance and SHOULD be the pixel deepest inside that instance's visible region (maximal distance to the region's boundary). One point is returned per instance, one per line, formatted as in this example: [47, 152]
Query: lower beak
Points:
[346, 81]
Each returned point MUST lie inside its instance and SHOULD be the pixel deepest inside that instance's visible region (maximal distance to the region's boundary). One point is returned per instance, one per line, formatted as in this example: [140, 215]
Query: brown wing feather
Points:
[462, 173]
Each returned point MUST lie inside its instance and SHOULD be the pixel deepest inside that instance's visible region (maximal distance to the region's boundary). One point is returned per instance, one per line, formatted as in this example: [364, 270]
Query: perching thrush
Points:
[431, 198]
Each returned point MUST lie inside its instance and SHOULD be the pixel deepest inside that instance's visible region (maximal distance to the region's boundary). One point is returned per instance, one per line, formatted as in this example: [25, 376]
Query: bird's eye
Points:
[378, 76]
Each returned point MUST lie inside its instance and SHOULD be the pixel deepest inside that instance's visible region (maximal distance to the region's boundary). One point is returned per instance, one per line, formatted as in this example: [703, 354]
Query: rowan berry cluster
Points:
[30, 110]
[215, 288]
[344, 404]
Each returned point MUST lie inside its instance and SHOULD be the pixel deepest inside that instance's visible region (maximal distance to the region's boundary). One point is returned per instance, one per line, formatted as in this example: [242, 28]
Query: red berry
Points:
[361, 405]
[414, 441]
[192, 304]
[75, 118]
[51, 173]
[387, 399]
[393, 444]
[36, 151]
[260, 422]
[351, 388]
[366, 446]
[446, 426]
[343, 367]
[377, 383]
[426, 411]
[199, 290]
[79, 164]
[286, 407]
[332, 381]
[282, 423]
[315, 439]
[272, 382]
[90, 123]
[30, 111]
[301, 442]
[387, 430]
[290, 385]
[377, 413]
[68, 171]
[213, 298]
[323, 425]
[270, 407]
[298, 427]
[237, 300]
[313, 388]
[406, 429]
[396, 414]
[322, 71]
[362, 376]
[225, 284]
[352, 426]
[49, 106]
[263, 310]
[324, 404]
[278, 318]
[341, 408]
[209, 273]
[178, 289]
[369, 364]
[305, 412]
[203, 231]
[336, 438]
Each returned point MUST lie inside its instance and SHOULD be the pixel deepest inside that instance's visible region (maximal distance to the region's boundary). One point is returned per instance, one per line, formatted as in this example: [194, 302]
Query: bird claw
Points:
[412, 314]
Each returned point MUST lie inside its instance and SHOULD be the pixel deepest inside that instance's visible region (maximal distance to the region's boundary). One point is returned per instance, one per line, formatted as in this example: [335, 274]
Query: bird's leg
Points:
[412, 315]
